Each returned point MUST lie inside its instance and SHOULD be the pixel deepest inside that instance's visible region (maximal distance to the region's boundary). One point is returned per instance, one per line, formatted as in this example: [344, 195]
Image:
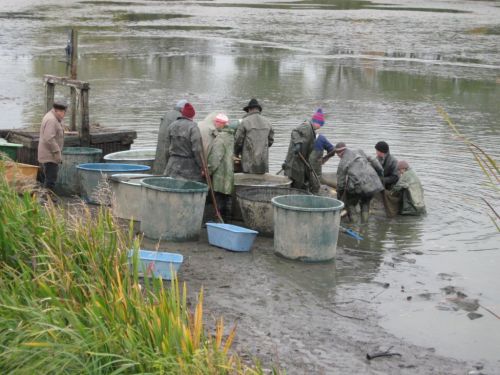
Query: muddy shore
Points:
[285, 323]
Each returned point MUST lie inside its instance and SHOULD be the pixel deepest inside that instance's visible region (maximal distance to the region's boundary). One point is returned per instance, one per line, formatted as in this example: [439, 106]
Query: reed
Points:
[485, 161]
[70, 302]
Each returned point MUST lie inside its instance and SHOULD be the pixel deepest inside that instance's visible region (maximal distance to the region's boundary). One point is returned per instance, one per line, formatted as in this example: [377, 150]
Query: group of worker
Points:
[184, 152]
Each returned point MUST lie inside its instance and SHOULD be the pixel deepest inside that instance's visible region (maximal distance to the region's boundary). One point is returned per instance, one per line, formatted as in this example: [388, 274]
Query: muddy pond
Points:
[380, 71]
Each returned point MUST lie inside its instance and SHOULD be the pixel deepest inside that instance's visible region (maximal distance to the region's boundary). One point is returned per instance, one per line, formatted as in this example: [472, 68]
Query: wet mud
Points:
[301, 317]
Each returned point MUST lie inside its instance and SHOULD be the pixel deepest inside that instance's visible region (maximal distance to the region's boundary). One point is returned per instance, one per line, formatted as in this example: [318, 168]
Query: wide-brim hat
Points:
[253, 103]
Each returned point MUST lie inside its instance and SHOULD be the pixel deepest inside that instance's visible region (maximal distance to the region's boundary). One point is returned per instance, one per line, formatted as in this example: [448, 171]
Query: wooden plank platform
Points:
[107, 139]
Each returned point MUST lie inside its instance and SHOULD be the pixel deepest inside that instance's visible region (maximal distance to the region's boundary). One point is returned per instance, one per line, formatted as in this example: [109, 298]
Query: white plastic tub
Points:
[230, 237]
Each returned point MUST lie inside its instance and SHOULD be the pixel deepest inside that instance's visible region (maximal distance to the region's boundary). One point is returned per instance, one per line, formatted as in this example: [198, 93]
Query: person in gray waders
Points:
[252, 140]
[51, 143]
[388, 163]
[357, 181]
[183, 147]
[409, 190]
[161, 151]
[296, 165]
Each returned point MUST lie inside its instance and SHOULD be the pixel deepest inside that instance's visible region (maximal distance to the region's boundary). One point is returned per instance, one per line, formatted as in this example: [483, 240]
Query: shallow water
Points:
[378, 70]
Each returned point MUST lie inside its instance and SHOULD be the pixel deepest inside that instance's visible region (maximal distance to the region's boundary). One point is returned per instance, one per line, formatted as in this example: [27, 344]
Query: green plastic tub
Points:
[68, 182]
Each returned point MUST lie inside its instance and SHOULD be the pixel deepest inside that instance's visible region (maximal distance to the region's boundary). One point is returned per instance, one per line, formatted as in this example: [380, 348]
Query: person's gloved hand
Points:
[296, 148]
[283, 166]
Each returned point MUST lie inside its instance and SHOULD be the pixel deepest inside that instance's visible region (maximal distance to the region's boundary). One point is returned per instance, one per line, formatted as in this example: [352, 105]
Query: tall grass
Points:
[70, 303]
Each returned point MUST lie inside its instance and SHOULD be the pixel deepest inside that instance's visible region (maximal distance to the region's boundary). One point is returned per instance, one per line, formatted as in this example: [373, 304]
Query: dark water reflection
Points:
[378, 74]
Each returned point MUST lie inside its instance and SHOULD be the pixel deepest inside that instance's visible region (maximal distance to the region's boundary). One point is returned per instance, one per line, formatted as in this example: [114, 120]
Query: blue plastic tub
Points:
[93, 177]
[157, 263]
[230, 237]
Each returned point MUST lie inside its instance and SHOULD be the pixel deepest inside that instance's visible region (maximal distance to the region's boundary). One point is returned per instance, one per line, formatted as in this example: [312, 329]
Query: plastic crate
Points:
[230, 237]
[157, 263]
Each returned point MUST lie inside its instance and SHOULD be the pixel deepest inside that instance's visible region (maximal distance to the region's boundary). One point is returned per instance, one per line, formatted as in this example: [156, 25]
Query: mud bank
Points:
[288, 315]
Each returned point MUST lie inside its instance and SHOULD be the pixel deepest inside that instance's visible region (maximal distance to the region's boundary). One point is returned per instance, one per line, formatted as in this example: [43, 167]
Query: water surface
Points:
[379, 70]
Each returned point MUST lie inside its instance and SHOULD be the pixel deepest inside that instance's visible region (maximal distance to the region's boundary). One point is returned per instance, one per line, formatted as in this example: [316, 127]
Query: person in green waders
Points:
[409, 190]
[220, 165]
[296, 165]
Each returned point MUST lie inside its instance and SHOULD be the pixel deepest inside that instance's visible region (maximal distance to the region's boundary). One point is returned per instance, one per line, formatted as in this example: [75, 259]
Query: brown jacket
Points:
[51, 140]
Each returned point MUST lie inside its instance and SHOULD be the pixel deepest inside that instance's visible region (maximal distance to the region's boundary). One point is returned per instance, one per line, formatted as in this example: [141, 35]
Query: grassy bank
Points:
[70, 304]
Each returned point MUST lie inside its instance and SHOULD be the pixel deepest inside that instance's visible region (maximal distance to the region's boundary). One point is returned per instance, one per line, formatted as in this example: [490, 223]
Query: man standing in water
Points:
[388, 163]
[253, 138]
[409, 191]
[183, 147]
[51, 143]
[161, 150]
[357, 181]
[299, 151]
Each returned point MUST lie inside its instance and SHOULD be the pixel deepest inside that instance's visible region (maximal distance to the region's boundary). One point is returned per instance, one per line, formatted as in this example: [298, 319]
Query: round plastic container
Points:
[68, 182]
[143, 156]
[173, 208]
[94, 179]
[257, 209]
[246, 180]
[306, 227]
[127, 198]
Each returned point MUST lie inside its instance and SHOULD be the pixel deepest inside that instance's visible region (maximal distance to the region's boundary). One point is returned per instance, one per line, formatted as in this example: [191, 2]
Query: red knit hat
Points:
[318, 117]
[188, 111]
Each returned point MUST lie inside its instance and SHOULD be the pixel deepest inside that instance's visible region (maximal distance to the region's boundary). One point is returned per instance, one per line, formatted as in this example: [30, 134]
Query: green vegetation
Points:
[70, 303]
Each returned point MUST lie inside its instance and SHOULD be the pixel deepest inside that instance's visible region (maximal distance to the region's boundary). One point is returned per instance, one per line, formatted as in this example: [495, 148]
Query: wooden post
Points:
[73, 61]
[85, 126]
[49, 95]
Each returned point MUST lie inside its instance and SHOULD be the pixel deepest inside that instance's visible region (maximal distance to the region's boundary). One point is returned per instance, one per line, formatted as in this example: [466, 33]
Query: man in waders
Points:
[183, 147]
[409, 191]
[252, 140]
[161, 151]
[296, 165]
[389, 177]
[357, 181]
[51, 143]
[388, 163]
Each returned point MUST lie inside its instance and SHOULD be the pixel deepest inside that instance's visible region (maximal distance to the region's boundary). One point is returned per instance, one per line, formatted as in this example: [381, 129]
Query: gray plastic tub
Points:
[68, 182]
[173, 208]
[126, 202]
[247, 180]
[306, 227]
[94, 179]
[257, 209]
[142, 156]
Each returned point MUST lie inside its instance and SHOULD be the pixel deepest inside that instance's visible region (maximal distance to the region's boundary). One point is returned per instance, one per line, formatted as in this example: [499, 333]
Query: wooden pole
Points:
[85, 126]
[73, 61]
[49, 96]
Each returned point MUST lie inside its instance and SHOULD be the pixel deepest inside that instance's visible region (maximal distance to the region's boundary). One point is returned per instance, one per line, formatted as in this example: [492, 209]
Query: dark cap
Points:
[382, 147]
[60, 104]
[253, 103]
